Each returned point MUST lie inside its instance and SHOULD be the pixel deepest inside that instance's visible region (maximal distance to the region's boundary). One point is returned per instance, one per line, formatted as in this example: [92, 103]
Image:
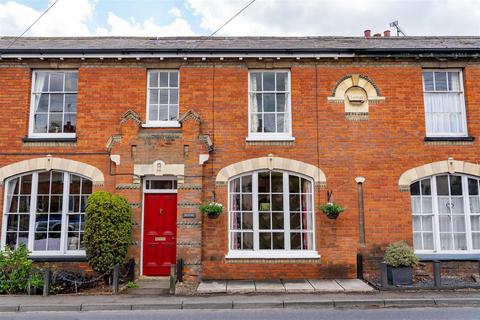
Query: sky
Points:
[263, 18]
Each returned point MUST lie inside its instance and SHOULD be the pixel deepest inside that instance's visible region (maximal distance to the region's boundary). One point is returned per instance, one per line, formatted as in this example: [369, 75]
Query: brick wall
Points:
[379, 149]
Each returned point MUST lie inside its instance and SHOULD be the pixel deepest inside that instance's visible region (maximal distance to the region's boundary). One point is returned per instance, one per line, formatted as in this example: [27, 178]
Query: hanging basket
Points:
[212, 209]
[332, 210]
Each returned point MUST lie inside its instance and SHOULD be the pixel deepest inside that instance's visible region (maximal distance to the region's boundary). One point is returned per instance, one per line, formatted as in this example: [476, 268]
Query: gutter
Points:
[238, 53]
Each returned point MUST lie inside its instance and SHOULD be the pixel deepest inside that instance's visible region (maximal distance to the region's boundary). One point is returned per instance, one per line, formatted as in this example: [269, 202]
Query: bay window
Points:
[46, 211]
[444, 103]
[271, 215]
[269, 105]
[446, 214]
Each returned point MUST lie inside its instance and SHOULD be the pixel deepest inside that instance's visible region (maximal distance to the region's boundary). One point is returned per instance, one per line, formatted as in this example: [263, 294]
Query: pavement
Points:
[124, 302]
[288, 286]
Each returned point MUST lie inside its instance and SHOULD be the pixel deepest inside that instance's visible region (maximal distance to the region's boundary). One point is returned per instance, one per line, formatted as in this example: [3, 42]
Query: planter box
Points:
[402, 276]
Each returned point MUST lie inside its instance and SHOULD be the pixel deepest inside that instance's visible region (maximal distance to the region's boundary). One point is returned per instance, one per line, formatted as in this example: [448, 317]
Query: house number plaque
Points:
[189, 215]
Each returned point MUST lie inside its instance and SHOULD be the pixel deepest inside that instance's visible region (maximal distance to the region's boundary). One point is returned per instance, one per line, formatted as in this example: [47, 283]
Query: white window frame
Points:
[464, 112]
[271, 136]
[63, 252]
[31, 125]
[148, 179]
[256, 253]
[157, 123]
[436, 225]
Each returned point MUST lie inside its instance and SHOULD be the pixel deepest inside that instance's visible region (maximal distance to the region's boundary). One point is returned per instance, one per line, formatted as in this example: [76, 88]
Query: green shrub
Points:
[211, 208]
[400, 254]
[17, 272]
[331, 209]
[108, 231]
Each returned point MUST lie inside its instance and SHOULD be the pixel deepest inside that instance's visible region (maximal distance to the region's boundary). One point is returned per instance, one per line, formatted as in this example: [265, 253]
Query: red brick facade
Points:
[380, 149]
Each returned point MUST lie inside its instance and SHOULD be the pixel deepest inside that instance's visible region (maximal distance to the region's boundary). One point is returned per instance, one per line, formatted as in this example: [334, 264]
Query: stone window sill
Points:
[433, 139]
[74, 258]
[448, 256]
[29, 139]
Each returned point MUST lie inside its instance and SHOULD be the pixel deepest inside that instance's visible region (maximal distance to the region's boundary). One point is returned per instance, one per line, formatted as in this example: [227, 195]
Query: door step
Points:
[151, 286]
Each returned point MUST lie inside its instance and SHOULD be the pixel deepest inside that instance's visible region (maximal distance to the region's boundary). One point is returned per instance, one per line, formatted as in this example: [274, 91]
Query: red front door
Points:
[159, 233]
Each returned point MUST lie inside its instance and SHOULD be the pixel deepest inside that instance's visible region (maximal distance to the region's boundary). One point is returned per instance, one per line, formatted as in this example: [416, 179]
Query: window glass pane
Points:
[269, 122]
[475, 223]
[70, 103]
[264, 220]
[277, 220]
[56, 81]
[26, 184]
[264, 202]
[163, 79]
[281, 125]
[69, 122]
[41, 81]
[173, 112]
[428, 241]
[427, 204]
[281, 102]
[278, 241]
[247, 183]
[235, 185]
[265, 239]
[40, 125]
[56, 102]
[415, 189]
[295, 221]
[472, 186]
[442, 185]
[416, 204]
[454, 81]
[263, 182]
[163, 112]
[154, 96]
[41, 102]
[426, 190]
[460, 241]
[257, 123]
[476, 240]
[71, 81]
[456, 185]
[440, 81]
[153, 112]
[256, 81]
[474, 204]
[247, 242]
[282, 78]
[295, 241]
[174, 79]
[153, 79]
[246, 202]
[428, 81]
[55, 123]
[173, 96]
[268, 81]
[277, 181]
[247, 220]
[269, 102]
[164, 96]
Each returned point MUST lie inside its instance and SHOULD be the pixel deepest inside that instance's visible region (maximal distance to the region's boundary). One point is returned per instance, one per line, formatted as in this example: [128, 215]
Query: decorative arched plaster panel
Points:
[272, 163]
[446, 166]
[50, 163]
[357, 92]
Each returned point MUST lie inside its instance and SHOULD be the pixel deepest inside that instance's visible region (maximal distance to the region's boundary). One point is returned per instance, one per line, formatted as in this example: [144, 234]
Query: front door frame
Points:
[157, 191]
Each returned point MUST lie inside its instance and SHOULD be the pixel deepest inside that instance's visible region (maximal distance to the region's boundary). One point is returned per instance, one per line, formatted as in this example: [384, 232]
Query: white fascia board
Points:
[176, 56]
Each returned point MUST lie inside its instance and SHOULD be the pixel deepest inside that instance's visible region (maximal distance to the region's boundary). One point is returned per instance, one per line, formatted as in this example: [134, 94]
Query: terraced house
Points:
[268, 127]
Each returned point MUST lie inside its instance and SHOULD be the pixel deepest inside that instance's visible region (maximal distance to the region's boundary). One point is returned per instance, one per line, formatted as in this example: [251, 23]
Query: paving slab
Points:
[326, 285]
[297, 286]
[459, 301]
[269, 286]
[354, 285]
[11, 308]
[240, 286]
[212, 287]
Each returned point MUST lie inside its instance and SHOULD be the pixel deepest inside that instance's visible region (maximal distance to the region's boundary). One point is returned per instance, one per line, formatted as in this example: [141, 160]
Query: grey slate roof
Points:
[239, 44]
